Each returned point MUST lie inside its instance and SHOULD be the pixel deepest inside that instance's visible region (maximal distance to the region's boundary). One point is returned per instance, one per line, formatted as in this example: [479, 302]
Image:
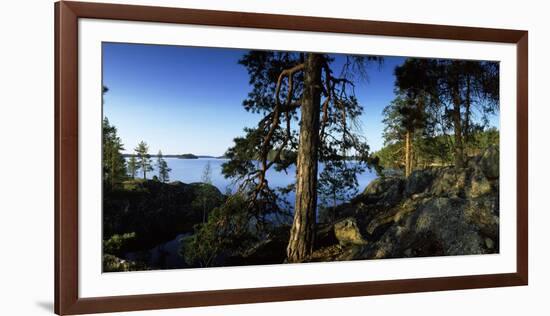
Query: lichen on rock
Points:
[347, 232]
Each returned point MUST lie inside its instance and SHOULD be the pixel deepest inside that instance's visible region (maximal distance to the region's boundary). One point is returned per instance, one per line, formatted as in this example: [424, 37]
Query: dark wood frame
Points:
[67, 14]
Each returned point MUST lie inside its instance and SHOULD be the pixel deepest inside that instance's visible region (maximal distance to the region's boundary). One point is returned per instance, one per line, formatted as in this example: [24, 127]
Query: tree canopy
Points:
[439, 105]
[310, 115]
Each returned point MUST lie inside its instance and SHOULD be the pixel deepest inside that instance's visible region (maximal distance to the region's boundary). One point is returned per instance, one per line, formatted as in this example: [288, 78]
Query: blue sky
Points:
[189, 99]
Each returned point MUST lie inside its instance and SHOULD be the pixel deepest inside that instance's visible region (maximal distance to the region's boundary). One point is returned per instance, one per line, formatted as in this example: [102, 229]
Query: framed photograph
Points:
[209, 157]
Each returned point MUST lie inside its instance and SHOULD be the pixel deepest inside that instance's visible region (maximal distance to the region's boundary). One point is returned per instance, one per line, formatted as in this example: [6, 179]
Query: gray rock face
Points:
[419, 181]
[479, 185]
[386, 191]
[490, 163]
[437, 227]
[449, 182]
[155, 211]
[434, 212]
[347, 232]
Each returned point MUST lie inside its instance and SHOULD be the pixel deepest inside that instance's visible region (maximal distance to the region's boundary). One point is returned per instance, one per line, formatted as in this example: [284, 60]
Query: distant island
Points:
[187, 156]
[179, 156]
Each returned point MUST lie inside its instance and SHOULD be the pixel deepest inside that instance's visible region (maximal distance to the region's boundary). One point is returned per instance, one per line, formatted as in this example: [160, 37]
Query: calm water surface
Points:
[191, 170]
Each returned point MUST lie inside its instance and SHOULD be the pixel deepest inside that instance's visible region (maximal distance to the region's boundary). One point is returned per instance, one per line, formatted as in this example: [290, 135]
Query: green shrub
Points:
[226, 233]
[118, 243]
[114, 264]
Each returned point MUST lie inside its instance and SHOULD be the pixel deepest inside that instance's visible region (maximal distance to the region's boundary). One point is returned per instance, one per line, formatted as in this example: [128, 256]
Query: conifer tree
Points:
[206, 194]
[143, 158]
[162, 166]
[438, 94]
[297, 89]
[207, 174]
[336, 185]
[114, 165]
[132, 166]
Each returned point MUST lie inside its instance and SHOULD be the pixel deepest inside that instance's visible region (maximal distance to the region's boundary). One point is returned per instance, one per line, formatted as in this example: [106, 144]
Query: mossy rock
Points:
[489, 163]
[347, 233]
[134, 185]
[113, 263]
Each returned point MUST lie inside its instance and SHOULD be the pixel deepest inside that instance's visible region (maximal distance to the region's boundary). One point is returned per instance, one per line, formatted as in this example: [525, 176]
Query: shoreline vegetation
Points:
[437, 211]
[179, 156]
[436, 194]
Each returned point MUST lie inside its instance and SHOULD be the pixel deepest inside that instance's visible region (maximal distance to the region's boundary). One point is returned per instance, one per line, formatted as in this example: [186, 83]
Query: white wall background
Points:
[26, 160]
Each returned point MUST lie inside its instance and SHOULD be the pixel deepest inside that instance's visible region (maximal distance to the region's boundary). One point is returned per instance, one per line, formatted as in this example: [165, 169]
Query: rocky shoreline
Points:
[435, 212]
[439, 211]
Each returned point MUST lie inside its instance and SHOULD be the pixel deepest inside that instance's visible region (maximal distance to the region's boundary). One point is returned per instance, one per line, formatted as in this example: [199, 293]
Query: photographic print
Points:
[216, 157]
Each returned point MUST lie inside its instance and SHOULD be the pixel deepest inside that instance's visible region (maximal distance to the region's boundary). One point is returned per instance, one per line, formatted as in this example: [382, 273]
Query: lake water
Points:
[191, 170]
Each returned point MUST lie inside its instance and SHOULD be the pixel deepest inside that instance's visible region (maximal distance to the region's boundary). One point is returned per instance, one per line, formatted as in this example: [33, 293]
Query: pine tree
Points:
[336, 185]
[299, 87]
[206, 193]
[404, 118]
[444, 94]
[114, 165]
[163, 169]
[132, 166]
[143, 158]
[416, 83]
[207, 174]
[464, 86]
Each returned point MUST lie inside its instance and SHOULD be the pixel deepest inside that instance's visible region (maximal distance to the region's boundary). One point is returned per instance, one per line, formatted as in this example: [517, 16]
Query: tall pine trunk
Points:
[302, 232]
[467, 106]
[112, 170]
[408, 154]
[457, 122]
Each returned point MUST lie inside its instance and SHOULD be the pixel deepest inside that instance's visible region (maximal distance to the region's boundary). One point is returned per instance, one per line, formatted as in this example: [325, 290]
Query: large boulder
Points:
[347, 233]
[449, 182]
[419, 181]
[489, 163]
[483, 215]
[438, 226]
[479, 185]
[386, 191]
[439, 211]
